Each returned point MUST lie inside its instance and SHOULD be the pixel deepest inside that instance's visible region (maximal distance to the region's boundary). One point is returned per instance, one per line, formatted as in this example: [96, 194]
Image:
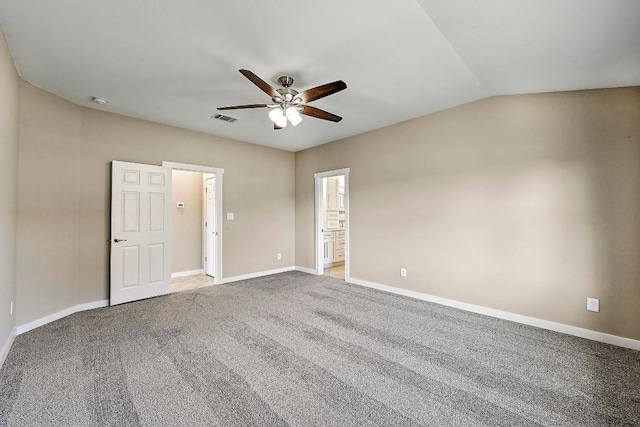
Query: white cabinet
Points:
[328, 247]
[331, 220]
[331, 196]
[334, 201]
[340, 192]
[338, 246]
[334, 247]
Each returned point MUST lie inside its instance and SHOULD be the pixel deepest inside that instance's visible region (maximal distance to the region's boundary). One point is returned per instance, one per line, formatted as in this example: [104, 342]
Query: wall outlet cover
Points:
[403, 272]
[229, 216]
[279, 256]
[593, 304]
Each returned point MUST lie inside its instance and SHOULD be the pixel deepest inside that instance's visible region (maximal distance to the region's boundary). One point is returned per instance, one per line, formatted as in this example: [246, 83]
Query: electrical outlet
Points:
[11, 308]
[229, 216]
[593, 304]
[279, 256]
[403, 272]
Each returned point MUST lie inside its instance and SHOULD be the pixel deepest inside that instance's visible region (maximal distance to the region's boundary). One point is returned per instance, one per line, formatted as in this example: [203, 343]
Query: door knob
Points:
[119, 240]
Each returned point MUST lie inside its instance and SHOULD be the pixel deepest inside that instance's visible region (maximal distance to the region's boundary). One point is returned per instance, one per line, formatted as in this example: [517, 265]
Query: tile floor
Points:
[336, 271]
[179, 284]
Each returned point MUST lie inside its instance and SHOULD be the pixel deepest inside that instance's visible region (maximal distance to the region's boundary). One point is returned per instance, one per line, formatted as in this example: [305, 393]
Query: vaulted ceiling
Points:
[174, 62]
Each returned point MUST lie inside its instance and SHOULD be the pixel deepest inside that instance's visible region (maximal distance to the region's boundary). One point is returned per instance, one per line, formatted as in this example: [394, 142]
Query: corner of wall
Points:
[9, 142]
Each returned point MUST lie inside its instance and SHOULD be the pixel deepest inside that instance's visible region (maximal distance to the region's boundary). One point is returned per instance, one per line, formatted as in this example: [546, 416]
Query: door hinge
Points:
[205, 258]
[205, 223]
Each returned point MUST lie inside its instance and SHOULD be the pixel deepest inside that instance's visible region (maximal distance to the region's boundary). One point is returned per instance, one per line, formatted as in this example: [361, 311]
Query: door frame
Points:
[319, 221]
[218, 173]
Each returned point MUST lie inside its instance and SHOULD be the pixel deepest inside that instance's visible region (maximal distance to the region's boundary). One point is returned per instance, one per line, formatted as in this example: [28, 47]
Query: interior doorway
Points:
[332, 223]
[193, 236]
[197, 237]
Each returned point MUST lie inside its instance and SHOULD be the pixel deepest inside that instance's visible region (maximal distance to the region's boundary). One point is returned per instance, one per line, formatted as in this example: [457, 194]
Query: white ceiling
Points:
[174, 61]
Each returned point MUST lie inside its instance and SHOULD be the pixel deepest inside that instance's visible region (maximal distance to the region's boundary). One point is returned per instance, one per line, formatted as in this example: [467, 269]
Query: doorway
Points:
[141, 244]
[204, 264]
[332, 223]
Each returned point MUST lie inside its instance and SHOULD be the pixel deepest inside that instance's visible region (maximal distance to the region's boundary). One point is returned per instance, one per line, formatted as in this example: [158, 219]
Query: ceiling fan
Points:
[288, 103]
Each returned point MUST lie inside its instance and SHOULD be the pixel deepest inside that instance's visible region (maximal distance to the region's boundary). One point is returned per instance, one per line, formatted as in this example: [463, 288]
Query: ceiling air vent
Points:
[224, 118]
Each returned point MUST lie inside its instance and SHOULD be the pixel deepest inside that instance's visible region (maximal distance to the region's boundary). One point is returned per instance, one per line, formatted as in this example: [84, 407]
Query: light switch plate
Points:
[229, 216]
[180, 205]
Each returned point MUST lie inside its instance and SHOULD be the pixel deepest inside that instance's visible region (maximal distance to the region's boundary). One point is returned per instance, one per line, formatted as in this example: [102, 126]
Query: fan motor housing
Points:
[287, 91]
[287, 94]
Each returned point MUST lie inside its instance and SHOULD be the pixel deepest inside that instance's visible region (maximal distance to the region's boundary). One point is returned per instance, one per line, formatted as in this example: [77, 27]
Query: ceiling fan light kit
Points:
[289, 104]
[293, 115]
[278, 117]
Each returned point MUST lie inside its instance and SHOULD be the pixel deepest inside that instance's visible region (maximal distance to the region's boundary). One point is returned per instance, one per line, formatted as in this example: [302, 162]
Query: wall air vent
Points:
[224, 118]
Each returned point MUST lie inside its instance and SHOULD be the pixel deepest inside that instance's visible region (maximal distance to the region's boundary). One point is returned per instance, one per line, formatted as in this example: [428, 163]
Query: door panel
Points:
[131, 177]
[156, 179]
[210, 228]
[140, 232]
[130, 211]
[156, 263]
[156, 211]
[131, 267]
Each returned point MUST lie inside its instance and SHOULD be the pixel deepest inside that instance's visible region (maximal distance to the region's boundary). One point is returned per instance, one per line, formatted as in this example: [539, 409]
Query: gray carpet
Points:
[301, 350]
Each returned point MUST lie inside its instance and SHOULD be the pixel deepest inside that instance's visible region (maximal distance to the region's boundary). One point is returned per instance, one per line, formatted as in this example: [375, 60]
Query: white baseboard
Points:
[306, 270]
[7, 346]
[257, 274]
[532, 321]
[186, 273]
[59, 315]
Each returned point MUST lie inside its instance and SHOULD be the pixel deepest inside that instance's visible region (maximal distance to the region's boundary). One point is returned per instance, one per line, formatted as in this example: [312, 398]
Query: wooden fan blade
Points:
[322, 91]
[264, 86]
[308, 110]
[276, 127]
[239, 107]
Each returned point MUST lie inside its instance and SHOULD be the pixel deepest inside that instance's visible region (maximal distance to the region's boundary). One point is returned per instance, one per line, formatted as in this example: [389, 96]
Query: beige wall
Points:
[64, 201]
[187, 187]
[9, 101]
[528, 204]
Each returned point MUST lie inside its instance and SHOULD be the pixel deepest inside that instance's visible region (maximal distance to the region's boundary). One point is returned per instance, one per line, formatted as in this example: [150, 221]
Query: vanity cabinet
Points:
[331, 220]
[338, 246]
[328, 247]
[333, 247]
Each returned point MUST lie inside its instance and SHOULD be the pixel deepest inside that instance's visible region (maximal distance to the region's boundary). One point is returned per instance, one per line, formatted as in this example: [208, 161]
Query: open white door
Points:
[140, 231]
[210, 228]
